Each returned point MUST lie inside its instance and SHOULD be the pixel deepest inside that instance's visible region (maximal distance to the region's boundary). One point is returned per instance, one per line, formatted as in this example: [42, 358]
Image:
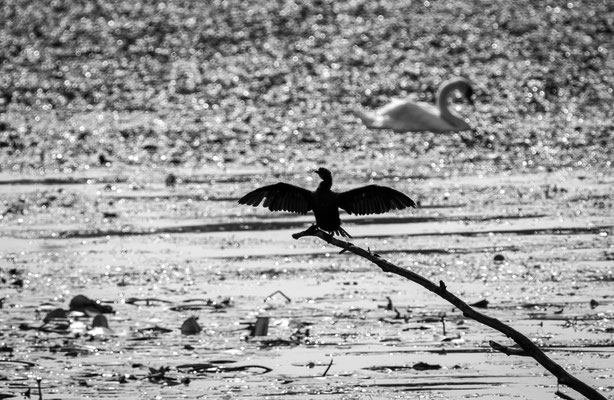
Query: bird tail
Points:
[342, 232]
[367, 118]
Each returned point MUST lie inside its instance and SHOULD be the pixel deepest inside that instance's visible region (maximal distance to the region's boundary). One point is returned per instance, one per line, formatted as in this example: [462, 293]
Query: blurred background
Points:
[233, 84]
[129, 130]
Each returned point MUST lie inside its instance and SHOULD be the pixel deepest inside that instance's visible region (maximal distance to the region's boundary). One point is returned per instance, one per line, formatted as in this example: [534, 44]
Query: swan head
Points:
[469, 94]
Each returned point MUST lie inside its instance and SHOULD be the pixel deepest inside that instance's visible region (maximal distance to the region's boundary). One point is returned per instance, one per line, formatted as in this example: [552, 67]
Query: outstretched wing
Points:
[280, 197]
[373, 199]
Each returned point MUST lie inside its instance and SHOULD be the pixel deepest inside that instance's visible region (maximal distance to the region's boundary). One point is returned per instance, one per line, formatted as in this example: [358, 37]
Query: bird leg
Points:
[314, 230]
[311, 231]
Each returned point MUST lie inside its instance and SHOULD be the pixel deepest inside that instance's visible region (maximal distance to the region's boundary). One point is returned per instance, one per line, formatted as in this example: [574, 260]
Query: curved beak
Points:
[470, 93]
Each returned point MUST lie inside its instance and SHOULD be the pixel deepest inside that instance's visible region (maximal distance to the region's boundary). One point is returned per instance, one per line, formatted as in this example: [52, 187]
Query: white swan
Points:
[404, 115]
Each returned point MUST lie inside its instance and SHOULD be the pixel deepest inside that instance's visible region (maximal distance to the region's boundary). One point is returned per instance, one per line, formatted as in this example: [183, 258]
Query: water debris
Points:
[552, 191]
[58, 313]
[480, 304]
[453, 339]
[277, 292]
[103, 161]
[73, 350]
[191, 327]
[147, 301]
[17, 282]
[6, 349]
[158, 375]
[110, 214]
[404, 317]
[419, 366]
[40, 389]
[261, 327]
[214, 367]
[328, 368]
[154, 329]
[16, 207]
[27, 364]
[422, 366]
[89, 307]
[100, 321]
[170, 180]
[199, 304]
[55, 321]
[389, 306]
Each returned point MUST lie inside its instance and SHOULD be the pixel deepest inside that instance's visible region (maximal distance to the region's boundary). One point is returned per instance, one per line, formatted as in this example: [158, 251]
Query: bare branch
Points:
[508, 350]
[529, 348]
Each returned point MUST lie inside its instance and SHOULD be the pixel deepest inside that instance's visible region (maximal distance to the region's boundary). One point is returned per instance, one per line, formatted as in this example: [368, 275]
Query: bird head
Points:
[324, 174]
[469, 95]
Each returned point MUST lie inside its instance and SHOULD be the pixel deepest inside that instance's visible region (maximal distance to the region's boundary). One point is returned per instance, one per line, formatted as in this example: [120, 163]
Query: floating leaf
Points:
[147, 301]
[261, 327]
[190, 327]
[499, 258]
[100, 321]
[90, 307]
[171, 180]
[214, 367]
[58, 313]
[422, 366]
[155, 329]
[480, 304]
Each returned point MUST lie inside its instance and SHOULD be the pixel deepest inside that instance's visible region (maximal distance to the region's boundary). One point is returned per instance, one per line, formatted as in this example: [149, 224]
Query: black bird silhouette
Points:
[325, 203]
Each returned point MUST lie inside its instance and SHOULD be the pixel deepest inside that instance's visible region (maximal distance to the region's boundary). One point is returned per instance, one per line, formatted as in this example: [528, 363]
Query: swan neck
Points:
[443, 95]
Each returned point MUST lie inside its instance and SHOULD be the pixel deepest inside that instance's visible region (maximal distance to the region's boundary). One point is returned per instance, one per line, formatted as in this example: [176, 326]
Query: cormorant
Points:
[325, 203]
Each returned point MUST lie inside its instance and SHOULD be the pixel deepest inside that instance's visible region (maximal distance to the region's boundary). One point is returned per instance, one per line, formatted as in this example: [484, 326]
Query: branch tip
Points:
[508, 350]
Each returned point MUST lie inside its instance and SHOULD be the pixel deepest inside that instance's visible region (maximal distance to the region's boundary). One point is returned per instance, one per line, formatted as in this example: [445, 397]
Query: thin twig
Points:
[327, 368]
[508, 350]
[40, 390]
[26, 363]
[443, 324]
[280, 293]
[525, 343]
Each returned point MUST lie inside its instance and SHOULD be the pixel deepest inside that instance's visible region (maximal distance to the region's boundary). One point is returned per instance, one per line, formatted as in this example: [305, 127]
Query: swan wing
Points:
[394, 106]
[280, 197]
[373, 199]
[409, 116]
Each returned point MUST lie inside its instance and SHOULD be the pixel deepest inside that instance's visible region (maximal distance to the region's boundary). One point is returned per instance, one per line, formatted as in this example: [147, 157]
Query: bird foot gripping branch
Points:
[312, 230]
